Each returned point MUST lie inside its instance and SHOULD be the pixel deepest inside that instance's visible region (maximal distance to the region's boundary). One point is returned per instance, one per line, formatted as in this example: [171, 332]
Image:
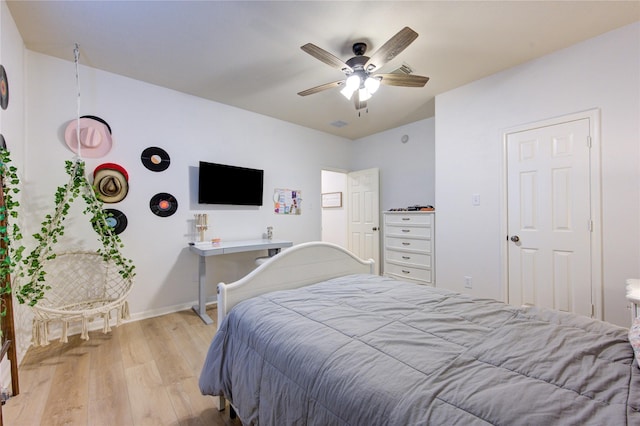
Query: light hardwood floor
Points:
[142, 373]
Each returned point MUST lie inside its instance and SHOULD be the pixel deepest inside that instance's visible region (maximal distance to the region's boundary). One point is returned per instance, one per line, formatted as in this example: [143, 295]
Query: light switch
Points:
[475, 199]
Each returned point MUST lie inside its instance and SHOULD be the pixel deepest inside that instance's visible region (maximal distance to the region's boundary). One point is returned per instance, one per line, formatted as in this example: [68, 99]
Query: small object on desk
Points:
[215, 242]
[269, 232]
[202, 224]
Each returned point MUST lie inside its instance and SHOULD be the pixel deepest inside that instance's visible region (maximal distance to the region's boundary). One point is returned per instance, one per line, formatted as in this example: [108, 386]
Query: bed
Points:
[313, 337]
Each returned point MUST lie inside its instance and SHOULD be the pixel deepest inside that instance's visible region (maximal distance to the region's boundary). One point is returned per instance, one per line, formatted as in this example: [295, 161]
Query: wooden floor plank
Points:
[67, 401]
[204, 332]
[142, 373]
[150, 402]
[171, 364]
[134, 347]
[36, 374]
[107, 383]
[192, 409]
[190, 344]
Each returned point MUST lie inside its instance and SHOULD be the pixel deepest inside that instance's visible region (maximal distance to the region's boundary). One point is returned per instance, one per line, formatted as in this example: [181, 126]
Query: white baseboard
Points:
[166, 310]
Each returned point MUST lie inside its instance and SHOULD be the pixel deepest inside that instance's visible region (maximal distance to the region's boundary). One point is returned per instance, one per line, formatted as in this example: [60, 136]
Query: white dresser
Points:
[409, 246]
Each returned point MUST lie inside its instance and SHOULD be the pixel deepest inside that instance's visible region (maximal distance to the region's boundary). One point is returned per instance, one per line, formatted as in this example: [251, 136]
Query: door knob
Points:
[375, 228]
[515, 238]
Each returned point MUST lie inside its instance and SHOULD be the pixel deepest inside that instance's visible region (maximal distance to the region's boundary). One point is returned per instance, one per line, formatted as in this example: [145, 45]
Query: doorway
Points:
[553, 224]
[334, 214]
[355, 223]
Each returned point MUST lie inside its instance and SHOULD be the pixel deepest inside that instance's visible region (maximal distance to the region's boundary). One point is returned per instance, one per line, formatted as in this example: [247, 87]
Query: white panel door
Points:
[364, 214]
[549, 220]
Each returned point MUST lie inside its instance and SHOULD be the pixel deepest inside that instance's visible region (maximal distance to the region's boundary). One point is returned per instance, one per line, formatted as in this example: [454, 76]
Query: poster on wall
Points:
[287, 201]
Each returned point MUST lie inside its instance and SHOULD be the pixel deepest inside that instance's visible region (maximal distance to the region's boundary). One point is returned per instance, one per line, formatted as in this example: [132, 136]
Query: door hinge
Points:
[588, 141]
[593, 310]
[590, 226]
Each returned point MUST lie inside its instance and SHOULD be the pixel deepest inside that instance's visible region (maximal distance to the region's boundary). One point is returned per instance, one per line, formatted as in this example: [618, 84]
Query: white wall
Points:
[407, 170]
[602, 73]
[189, 129]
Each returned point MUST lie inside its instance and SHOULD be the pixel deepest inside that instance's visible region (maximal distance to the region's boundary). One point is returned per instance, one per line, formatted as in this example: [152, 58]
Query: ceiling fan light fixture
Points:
[347, 93]
[372, 84]
[364, 95]
[353, 82]
[351, 85]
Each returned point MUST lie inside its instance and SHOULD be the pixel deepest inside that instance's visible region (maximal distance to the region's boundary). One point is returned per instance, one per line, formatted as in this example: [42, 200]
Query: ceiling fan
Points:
[361, 81]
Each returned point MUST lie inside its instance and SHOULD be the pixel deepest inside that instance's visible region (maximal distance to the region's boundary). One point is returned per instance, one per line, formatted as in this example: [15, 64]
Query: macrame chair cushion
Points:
[83, 286]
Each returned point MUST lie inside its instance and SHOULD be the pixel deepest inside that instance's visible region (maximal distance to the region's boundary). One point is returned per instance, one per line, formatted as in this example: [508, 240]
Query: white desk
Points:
[226, 247]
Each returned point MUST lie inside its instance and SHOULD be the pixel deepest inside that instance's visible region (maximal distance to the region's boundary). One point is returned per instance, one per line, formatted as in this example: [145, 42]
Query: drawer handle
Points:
[406, 272]
[406, 230]
[406, 218]
[406, 257]
[404, 243]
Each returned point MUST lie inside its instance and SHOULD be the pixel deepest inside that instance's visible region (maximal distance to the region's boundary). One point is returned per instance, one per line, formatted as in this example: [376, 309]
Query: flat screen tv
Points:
[232, 185]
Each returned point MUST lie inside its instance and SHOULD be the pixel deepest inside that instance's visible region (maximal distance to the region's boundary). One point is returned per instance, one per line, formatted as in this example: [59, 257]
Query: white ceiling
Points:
[247, 53]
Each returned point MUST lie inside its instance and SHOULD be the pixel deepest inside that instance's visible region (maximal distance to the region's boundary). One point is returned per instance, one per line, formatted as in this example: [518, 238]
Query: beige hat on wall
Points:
[111, 182]
[95, 136]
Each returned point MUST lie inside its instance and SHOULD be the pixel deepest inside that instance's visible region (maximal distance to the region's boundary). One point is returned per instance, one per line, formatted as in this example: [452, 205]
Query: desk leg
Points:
[201, 307]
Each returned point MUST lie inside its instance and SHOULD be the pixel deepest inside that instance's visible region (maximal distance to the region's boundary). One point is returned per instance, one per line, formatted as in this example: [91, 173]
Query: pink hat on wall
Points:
[95, 136]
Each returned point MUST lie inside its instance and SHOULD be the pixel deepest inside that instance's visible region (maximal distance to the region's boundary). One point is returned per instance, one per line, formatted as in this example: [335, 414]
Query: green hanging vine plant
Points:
[52, 228]
[10, 234]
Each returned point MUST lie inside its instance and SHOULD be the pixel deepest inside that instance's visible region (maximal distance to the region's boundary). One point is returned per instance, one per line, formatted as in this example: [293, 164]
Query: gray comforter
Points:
[368, 350]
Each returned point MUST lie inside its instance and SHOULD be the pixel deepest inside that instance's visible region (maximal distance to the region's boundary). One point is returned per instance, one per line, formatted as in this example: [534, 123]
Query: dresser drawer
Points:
[420, 245]
[408, 258]
[408, 231]
[409, 219]
[406, 272]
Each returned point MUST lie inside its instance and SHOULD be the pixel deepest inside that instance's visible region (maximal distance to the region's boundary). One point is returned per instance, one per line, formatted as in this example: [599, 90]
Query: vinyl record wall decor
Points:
[4, 88]
[116, 220]
[163, 204]
[155, 159]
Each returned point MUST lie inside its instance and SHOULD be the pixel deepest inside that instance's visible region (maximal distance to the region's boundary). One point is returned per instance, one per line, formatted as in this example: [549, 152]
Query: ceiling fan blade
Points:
[391, 48]
[326, 57]
[404, 80]
[321, 88]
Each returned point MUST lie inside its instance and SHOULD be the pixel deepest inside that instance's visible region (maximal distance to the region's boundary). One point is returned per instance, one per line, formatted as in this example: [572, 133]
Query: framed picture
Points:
[332, 199]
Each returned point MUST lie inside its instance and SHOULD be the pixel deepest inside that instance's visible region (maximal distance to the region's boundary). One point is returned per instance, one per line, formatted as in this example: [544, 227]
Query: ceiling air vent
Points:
[403, 69]
[339, 123]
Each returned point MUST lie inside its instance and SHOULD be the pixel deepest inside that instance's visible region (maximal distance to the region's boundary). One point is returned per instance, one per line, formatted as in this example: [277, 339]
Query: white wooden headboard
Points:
[298, 266]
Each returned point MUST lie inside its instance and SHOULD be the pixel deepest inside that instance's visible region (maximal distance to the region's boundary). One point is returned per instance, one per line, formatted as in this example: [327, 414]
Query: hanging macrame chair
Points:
[82, 286]
[77, 286]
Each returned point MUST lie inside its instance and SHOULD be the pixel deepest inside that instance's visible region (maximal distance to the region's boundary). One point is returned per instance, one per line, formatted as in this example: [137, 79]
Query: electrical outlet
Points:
[468, 283]
[475, 200]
